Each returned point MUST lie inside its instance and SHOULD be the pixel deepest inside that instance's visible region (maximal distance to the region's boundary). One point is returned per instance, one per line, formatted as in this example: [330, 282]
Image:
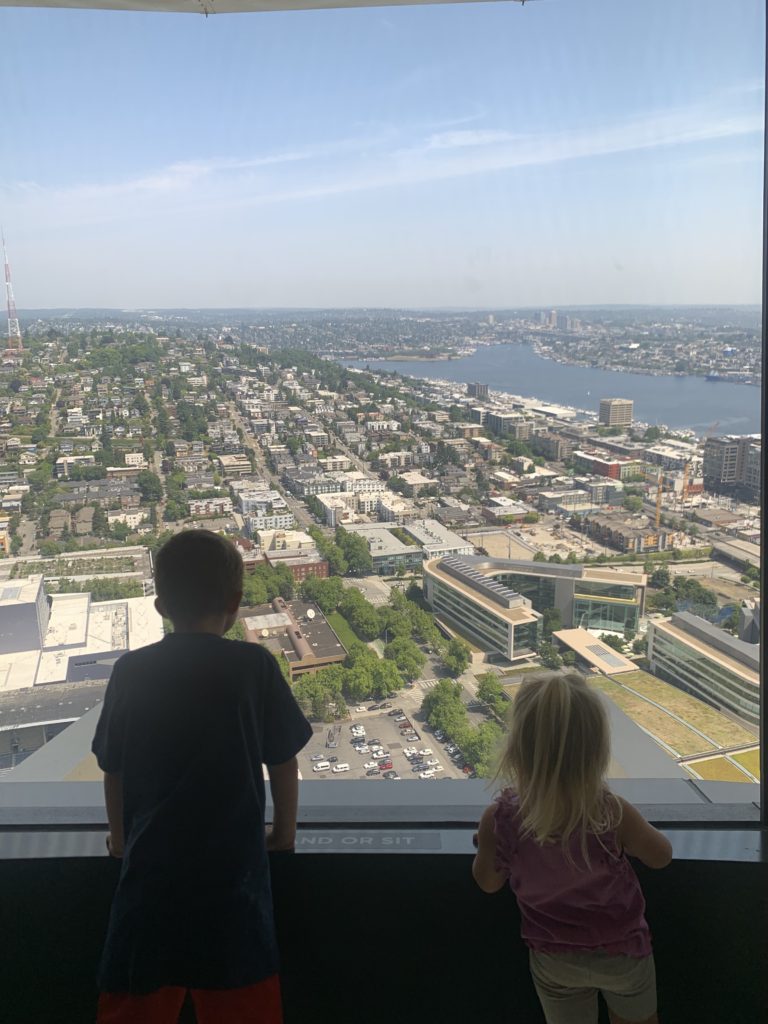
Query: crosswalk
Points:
[428, 684]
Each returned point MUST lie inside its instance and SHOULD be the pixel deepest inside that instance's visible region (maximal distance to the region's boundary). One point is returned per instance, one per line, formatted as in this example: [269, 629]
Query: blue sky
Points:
[567, 152]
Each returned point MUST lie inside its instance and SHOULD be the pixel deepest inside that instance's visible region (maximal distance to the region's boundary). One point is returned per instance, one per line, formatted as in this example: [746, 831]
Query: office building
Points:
[707, 662]
[436, 541]
[299, 631]
[482, 609]
[616, 412]
[476, 390]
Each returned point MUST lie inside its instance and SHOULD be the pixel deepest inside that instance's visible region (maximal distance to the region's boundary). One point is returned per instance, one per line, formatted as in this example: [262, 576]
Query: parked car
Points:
[409, 750]
[391, 775]
[432, 762]
[317, 757]
[396, 711]
[322, 766]
[385, 764]
[386, 704]
[371, 764]
[428, 774]
[400, 718]
[426, 751]
[360, 707]
[338, 768]
[374, 707]
[333, 760]
[373, 771]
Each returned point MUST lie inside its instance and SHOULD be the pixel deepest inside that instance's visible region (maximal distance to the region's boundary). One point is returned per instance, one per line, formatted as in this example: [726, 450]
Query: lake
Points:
[678, 402]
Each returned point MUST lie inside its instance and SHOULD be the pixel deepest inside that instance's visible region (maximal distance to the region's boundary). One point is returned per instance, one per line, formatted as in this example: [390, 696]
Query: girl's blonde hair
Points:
[557, 756]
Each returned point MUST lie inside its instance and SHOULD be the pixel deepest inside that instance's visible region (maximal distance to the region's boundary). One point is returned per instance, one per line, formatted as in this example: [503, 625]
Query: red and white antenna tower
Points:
[14, 331]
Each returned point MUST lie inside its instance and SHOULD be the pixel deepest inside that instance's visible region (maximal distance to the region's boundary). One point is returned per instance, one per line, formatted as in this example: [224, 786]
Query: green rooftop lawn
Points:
[342, 629]
[750, 759]
[718, 769]
[714, 723]
[676, 735]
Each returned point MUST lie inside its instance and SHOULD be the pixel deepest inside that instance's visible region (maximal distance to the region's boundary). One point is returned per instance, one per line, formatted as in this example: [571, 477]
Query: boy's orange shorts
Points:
[254, 1004]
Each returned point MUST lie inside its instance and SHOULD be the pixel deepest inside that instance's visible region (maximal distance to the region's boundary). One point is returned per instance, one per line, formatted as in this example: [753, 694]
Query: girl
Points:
[560, 837]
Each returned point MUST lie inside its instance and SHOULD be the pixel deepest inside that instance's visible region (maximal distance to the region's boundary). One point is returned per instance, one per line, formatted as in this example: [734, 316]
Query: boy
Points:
[186, 725]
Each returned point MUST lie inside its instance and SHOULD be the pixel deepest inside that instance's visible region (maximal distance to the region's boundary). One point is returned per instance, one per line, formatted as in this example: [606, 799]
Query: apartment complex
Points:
[707, 662]
[732, 465]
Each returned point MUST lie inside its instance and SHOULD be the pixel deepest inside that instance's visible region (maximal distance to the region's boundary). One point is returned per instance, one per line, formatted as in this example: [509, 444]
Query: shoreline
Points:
[639, 371]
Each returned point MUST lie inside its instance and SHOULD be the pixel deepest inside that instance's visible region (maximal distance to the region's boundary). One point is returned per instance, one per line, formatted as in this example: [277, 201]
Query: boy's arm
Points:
[284, 786]
[113, 796]
[484, 865]
[640, 839]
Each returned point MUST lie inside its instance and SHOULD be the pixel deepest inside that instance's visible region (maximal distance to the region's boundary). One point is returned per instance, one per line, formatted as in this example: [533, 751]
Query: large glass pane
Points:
[449, 316]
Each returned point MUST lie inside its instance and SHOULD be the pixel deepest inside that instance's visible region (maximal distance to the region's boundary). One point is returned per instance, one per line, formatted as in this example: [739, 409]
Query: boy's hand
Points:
[280, 844]
[115, 850]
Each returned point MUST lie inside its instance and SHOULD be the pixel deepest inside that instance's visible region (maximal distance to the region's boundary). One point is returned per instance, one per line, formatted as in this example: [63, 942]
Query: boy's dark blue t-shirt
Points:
[188, 723]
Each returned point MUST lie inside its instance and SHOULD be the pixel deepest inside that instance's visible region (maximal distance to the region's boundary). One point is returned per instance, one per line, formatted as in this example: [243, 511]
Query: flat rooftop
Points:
[517, 615]
[597, 654]
[699, 644]
[380, 540]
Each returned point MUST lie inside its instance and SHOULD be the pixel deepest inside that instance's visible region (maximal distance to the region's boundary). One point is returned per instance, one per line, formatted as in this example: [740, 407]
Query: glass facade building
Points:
[707, 662]
[506, 624]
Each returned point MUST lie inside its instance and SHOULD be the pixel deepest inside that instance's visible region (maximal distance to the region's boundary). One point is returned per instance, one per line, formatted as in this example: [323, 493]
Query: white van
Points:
[322, 766]
[339, 768]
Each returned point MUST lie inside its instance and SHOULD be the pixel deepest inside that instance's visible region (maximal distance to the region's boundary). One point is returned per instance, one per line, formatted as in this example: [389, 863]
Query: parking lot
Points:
[381, 726]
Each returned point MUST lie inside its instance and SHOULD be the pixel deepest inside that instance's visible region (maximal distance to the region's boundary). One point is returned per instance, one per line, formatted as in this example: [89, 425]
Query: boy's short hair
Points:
[197, 573]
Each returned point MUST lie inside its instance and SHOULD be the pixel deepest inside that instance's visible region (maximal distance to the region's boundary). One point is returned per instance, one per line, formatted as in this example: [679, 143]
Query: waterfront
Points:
[677, 402]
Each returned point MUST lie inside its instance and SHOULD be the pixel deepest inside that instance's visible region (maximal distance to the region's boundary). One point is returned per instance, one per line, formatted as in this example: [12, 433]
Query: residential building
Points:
[476, 390]
[732, 466]
[436, 541]
[388, 553]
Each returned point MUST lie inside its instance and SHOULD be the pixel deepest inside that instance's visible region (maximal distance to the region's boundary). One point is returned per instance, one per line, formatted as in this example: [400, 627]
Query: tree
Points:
[531, 517]
[456, 656]
[237, 632]
[569, 658]
[539, 557]
[356, 552]
[150, 485]
[552, 621]
[360, 614]
[632, 503]
[326, 593]
[549, 655]
[660, 577]
[406, 656]
[490, 691]
[612, 641]
[386, 678]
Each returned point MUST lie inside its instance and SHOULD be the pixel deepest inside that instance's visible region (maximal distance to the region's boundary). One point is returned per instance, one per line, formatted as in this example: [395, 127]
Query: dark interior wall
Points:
[396, 938]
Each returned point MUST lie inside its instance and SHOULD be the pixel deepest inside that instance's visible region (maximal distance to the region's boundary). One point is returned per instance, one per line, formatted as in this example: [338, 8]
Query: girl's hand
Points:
[484, 865]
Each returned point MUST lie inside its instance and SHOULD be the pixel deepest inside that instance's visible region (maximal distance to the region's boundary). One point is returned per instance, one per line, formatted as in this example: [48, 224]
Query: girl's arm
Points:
[484, 865]
[640, 839]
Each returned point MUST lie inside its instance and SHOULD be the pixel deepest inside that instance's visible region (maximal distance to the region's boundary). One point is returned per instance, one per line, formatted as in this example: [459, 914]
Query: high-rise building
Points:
[476, 390]
[732, 465]
[616, 412]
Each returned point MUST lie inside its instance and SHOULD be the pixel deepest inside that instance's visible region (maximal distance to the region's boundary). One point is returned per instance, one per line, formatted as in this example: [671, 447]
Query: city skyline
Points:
[440, 157]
